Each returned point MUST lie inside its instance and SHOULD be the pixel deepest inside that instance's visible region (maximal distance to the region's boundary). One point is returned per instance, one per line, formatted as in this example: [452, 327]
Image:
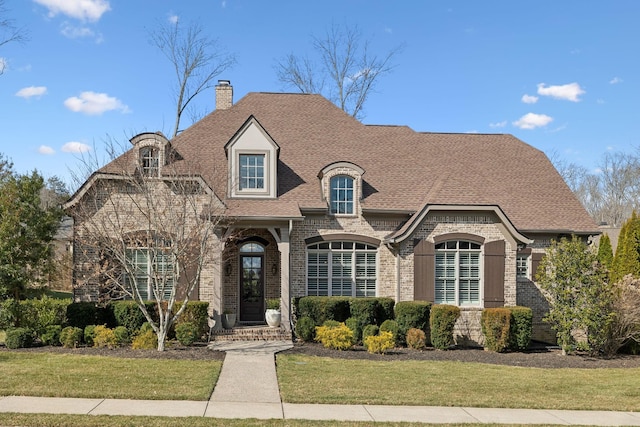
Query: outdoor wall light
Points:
[227, 269]
[274, 268]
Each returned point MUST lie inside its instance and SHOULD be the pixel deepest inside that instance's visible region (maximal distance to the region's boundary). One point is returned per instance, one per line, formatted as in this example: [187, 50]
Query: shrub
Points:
[320, 309]
[353, 324]
[371, 311]
[391, 326]
[9, 310]
[89, 334]
[145, 340]
[71, 337]
[495, 328]
[625, 329]
[273, 303]
[368, 331]
[186, 333]
[37, 314]
[81, 314]
[521, 327]
[337, 337]
[104, 337]
[306, 329]
[197, 313]
[379, 344]
[52, 335]
[412, 314]
[331, 323]
[123, 337]
[442, 321]
[129, 315]
[19, 338]
[416, 339]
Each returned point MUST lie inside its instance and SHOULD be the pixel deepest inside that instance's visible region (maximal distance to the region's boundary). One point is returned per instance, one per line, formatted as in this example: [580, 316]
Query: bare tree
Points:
[8, 32]
[346, 61]
[196, 59]
[145, 235]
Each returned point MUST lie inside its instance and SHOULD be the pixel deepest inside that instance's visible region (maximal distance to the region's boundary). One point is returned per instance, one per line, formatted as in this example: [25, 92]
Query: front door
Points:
[251, 288]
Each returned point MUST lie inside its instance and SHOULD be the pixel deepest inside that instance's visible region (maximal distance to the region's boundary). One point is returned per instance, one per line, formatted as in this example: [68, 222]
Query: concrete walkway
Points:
[248, 388]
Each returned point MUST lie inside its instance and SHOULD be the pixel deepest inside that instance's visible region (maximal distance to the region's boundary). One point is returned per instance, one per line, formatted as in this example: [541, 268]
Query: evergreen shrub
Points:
[71, 337]
[187, 333]
[391, 326]
[104, 337]
[495, 328]
[336, 337]
[320, 309]
[381, 343]
[412, 314]
[306, 329]
[123, 337]
[416, 339]
[89, 334]
[51, 336]
[442, 320]
[353, 324]
[19, 338]
[521, 327]
[368, 331]
[81, 314]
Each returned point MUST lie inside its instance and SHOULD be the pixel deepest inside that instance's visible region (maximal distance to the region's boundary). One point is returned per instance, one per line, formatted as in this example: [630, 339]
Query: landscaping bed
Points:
[538, 356]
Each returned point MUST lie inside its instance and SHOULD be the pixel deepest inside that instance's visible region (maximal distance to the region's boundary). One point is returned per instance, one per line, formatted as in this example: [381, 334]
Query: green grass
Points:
[44, 420]
[307, 379]
[68, 375]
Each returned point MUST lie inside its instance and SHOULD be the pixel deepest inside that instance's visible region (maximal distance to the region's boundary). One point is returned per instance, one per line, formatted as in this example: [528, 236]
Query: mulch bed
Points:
[538, 356]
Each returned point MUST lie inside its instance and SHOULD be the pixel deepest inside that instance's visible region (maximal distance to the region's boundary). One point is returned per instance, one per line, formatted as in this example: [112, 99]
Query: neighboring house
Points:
[322, 204]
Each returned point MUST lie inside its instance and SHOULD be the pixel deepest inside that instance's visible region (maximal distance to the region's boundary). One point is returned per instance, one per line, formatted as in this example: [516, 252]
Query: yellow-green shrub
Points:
[416, 338]
[337, 337]
[104, 337]
[380, 343]
[495, 328]
[145, 340]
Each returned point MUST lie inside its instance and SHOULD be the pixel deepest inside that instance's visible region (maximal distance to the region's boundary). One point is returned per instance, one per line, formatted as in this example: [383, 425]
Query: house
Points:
[322, 204]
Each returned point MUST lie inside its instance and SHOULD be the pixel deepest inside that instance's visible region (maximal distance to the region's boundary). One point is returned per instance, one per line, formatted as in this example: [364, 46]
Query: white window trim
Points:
[353, 251]
[353, 196]
[527, 258]
[235, 173]
[457, 251]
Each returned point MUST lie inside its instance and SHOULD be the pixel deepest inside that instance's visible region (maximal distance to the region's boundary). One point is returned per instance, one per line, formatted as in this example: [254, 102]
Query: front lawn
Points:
[68, 375]
[312, 379]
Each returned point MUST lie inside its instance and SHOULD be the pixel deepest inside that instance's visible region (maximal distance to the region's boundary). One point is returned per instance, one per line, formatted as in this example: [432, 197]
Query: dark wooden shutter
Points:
[423, 271]
[494, 254]
[536, 257]
[187, 273]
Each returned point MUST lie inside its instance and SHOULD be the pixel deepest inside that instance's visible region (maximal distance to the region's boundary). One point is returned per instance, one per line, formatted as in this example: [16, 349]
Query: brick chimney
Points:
[224, 95]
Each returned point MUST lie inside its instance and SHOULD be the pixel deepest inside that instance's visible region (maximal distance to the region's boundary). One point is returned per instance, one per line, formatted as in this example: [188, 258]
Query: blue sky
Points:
[564, 76]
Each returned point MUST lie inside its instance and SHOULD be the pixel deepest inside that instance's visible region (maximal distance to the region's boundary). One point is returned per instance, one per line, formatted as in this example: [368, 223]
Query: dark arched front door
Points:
[251, 282]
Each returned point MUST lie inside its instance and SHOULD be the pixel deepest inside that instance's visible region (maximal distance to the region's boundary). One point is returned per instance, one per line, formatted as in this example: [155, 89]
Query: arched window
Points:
[149, 161]
[341, 269]
[341, 187]
[252, 248]
[457, 273]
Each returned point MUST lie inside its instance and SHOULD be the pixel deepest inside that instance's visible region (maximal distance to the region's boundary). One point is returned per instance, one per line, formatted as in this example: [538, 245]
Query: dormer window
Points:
[251, 172]
[342, 195]
[149, 161]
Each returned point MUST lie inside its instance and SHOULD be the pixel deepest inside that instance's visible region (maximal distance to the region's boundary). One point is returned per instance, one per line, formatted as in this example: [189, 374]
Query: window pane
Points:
[341, 195]
[251, 171]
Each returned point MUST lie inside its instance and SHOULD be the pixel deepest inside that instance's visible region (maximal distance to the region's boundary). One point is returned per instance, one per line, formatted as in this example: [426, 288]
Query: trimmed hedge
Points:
[187, 333]
[391, 326]
[521, 327]
[442, 321]
[129, 315]
[196, 313]
[321, 309]
[412, 314]
[81, 314]
[496, 328]
[306, 329]
[353, 324]
[52, 335]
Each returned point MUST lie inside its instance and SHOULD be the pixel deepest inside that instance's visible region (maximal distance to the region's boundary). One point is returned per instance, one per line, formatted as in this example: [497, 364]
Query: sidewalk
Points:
[248, 388]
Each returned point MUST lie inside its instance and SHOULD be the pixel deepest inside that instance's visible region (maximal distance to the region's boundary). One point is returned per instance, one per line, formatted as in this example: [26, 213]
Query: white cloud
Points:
[529, 99]
[615, 80]
[28, 92]
[94, 104]
[84, 10]
[173, 19]
[569, 92]
[45, 149]
[532, 121]
[498, 124]
[75, 147]
[73, 32]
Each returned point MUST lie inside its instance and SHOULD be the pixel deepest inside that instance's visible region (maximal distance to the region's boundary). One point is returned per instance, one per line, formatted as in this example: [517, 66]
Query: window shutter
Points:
[536, 257]
[423, 271]
[494, 253]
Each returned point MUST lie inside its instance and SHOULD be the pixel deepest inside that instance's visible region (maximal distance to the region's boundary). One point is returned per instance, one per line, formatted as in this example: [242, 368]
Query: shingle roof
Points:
[404, 169]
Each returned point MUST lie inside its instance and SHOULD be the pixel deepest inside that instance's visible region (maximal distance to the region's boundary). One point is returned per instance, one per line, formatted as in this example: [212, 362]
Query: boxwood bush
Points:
[89, 334]
[353, 324]
[320, 309]
[442, 321]
[306, 329]
[390, 325]
[368, 331]
[19, 338]
[521, 327]
[71, 337]
[81, 314]
[187, 333]
[129, 315]
[412, 314]
[371, 311]
[51, 336]
[196, 313]
[495, 324]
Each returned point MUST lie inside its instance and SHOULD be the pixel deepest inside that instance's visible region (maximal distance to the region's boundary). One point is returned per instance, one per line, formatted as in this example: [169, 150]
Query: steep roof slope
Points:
[403, 169]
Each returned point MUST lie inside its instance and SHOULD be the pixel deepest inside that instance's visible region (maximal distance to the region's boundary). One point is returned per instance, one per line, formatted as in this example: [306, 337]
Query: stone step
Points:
[251, 333]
